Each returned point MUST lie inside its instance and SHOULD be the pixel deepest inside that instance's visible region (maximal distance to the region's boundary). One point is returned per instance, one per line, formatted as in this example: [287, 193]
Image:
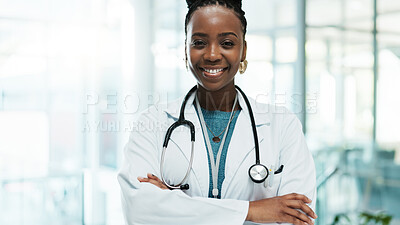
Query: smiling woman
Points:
[213, 179]
[214, 54]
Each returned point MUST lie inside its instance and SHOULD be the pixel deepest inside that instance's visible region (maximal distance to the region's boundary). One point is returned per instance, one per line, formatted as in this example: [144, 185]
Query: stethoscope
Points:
[257, 172]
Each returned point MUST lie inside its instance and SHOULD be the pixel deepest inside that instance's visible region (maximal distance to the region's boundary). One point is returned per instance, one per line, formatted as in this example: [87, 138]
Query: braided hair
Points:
[235, 5]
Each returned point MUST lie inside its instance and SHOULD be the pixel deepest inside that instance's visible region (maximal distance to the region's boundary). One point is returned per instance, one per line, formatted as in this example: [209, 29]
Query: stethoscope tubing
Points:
[180, 122]
[257, 172]
[253, 125]
[180, 185]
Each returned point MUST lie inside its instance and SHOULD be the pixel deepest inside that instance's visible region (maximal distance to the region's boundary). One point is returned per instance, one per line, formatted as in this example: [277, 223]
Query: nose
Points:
[212, 53]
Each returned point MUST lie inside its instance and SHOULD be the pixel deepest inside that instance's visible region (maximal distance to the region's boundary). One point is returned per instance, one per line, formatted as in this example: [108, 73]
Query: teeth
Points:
[214, 71]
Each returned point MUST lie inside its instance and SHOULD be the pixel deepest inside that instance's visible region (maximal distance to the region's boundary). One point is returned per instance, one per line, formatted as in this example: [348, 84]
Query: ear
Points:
[244, 52]
[186, 56]
[186, 49]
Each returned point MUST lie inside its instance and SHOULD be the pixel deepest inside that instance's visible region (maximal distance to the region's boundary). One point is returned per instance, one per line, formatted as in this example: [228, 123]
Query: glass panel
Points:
[51, 200]
[24, 9]
[51, 54]
[388, 107]
[358, 10]
[286, 49]
[260, 14]
[388, 6]
[168, 48]
[339, 68]
[257, 80]
[259, 48]
[109, 132]
[323, 12]
[67, 154]
[24, 145]
[283, 86]
[388, 23]
[358, 15]
[340, 60]
[285, 13]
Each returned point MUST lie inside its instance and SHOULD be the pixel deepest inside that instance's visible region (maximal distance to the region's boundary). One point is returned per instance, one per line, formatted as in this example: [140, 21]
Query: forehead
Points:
[214, 18]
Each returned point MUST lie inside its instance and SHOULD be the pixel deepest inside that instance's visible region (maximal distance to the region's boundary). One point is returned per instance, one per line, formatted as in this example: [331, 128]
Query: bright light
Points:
[24, 143]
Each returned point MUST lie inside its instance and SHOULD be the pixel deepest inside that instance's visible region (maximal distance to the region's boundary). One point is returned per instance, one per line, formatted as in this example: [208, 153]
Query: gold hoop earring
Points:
[243, 66]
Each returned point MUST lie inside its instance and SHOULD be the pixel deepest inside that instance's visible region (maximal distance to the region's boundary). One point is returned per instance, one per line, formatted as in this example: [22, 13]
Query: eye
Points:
[228, 44]
[198, 43]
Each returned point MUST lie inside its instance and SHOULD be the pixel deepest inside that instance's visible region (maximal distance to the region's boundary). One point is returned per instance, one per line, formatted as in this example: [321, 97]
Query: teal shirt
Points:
[217, 121]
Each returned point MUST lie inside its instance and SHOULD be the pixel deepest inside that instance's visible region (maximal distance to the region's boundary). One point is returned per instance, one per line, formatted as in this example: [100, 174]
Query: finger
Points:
[152, 176]
[157, 180]
[292, 220]
[156, 183]
[299, 216]
[295, 196]
[143, 179]
[147, 180]
[161, 185]
[296, 221]
[298, 204]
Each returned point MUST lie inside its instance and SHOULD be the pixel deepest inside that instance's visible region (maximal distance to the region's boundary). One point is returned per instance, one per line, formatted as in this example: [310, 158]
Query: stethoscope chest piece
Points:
[258, 173]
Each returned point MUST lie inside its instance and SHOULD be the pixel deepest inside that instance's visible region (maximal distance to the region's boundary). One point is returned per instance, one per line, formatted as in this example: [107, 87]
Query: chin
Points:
[212, 87]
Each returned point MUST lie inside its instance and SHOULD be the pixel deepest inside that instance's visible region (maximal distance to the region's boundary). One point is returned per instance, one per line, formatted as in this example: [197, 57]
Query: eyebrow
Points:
[200, 34]
[227, 34]
[219, 35]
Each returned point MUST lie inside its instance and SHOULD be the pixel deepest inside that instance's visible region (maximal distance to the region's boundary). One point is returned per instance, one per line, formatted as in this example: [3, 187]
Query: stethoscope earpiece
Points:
[258, 173]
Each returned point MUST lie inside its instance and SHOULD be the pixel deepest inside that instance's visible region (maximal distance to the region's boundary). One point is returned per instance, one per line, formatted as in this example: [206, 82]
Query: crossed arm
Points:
[290, 208]
[141, 157]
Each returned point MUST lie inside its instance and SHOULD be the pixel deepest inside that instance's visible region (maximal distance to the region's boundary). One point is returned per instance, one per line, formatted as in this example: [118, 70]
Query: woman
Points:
[219, 189]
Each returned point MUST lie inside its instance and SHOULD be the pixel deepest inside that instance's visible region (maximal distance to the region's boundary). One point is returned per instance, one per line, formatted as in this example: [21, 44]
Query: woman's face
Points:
[215, 47]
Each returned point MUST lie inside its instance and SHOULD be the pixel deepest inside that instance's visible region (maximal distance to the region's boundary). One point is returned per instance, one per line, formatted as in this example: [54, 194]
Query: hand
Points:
[153, 180]
[290, 208]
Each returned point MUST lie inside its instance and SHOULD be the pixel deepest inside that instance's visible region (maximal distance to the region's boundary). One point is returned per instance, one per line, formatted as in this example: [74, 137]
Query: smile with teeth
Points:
[213, 71]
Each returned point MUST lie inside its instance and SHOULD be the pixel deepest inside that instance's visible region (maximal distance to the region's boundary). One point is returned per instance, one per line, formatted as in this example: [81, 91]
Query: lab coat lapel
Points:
[241, 144]
[181, 140]
[242, 141]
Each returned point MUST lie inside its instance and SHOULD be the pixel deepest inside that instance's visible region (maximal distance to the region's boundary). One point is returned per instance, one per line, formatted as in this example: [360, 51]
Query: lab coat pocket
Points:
[267, 189]
[271, 184]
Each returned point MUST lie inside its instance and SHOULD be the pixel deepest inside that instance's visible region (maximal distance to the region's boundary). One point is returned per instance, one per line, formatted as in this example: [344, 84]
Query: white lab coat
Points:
[281, 143]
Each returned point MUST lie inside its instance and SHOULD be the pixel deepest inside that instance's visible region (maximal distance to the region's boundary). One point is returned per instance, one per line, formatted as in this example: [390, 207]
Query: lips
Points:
[212, 72]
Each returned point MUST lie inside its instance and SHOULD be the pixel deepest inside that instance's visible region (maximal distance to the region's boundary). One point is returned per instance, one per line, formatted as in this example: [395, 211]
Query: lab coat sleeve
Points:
[298, 175]
[144, 203]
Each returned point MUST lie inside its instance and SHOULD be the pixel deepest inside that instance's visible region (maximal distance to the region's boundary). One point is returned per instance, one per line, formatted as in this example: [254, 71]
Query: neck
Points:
[221, 100]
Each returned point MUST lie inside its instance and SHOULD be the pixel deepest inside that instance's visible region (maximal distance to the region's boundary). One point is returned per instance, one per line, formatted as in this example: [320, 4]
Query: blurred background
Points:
[74, 75]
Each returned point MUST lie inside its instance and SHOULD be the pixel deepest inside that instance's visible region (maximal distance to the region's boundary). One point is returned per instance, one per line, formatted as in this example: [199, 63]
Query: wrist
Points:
[249, 212]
